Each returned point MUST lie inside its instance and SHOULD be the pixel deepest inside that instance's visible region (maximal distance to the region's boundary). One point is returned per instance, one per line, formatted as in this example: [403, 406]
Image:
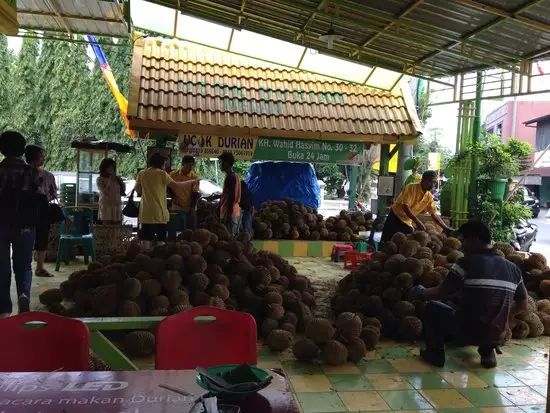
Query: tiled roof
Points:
[178, 86]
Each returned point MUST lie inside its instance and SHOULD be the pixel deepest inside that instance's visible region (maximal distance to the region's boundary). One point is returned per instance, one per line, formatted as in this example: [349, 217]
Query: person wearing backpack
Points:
[247, 209]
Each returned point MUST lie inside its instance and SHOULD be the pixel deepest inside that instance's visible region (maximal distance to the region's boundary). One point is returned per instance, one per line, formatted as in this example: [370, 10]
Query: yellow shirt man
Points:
[412, 201]
[182, 199]
[152, 183]
[417, 199]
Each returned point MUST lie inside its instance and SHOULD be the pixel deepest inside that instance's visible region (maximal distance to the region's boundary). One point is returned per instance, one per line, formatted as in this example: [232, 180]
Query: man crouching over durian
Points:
[492, 288]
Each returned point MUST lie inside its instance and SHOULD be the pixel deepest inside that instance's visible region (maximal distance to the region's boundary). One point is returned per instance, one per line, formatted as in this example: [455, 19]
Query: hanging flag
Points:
[111, 82]
[539, 68]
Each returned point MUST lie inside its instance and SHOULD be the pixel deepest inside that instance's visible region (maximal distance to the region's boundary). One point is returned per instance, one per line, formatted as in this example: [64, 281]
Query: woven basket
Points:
[112, 239]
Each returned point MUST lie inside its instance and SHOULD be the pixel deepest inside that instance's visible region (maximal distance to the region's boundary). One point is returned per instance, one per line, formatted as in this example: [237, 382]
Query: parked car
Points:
[526, 234]
[530, 200]
[206, 188]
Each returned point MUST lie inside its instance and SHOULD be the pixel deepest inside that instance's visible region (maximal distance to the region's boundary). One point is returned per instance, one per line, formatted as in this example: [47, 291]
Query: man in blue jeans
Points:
[19, 214]
[491, 289]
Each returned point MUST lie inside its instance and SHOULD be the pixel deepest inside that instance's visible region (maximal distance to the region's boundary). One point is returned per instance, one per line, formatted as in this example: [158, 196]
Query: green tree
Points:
[6, 68]
[431, 142]
[25, 74]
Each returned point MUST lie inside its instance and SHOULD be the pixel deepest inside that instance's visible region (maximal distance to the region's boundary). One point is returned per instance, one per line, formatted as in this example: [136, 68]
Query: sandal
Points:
[43, 273]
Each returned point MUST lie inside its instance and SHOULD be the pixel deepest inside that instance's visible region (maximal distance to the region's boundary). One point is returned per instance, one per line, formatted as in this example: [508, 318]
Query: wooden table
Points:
[123, 392]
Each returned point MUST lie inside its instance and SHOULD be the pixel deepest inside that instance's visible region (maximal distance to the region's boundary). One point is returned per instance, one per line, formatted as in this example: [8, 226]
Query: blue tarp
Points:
[276, 181]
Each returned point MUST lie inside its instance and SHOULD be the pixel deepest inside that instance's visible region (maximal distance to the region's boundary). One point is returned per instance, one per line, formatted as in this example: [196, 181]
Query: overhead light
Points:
[330, 36]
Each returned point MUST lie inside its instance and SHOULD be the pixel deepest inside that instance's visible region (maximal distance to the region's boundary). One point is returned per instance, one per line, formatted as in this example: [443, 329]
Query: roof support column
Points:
[353, 177]
[383, 171]
[404, 152]
[476, 129]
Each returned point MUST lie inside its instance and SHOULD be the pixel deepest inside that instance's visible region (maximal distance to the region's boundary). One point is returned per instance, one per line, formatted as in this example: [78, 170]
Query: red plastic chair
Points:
[205, 336]
[353, 258]
[60, 344]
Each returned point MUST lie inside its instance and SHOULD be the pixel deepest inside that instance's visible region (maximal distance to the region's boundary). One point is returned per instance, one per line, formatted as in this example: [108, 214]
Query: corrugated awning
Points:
[177, 86]
[102, 18]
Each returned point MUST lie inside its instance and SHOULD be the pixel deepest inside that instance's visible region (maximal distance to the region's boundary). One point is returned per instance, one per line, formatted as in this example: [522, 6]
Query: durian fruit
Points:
[275, 311]
[151, 288]
[508, 336]
[291, 328]
[395, 264]
[279, 340]
[398, 238]
[421, 237]
[372, 305]
[349, 325]
[356, 349]
[131, 288]
[431, 279]
[506, 248]
[178, 297]
[268, 326]
[544, 287]
[516, 259]
[452, 243]
[543, 306]
[199, 281]
[409, 328]
[454, 256]
[545, 320]
[391, 296]
[51, 297]
[404, 281]
[536, 328]
[305, 349]
[335, 353]
[536, 261]
[171, 280]
[129, 308]
[370, 336]
[389, 248]
[371, 321]
[415, 267]
[409, 248]
[520, 330]
[139, 343]
[319, 330]
[403, 309]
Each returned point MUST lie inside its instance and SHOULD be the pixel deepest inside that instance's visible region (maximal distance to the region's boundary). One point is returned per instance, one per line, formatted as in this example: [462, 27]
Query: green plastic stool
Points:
[79, 216]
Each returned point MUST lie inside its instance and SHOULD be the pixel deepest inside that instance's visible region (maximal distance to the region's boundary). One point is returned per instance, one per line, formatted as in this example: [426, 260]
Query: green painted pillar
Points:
[384, 168]
[476, 129]
[354, 176]
[404, 152]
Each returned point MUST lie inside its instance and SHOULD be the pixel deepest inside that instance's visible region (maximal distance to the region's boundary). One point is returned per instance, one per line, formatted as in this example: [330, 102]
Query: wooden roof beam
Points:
[488, 26]
[52, 4]
[310, 19]
[474, 4]
[407, 10]
[68, 16]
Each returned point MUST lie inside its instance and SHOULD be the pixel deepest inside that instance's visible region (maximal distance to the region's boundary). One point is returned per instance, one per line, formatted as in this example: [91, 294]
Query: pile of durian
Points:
[294, 221]
[202, 268]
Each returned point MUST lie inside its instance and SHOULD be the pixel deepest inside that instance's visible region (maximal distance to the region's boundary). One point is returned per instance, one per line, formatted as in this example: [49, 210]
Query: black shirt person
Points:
[491, 287]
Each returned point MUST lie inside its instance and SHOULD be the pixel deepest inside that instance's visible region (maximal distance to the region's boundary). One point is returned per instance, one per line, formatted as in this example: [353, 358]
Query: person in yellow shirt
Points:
[184, 200]
[413, 200]
[151, 184]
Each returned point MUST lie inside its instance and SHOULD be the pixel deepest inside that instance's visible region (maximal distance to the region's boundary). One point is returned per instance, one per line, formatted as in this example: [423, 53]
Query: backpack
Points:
[246, 197]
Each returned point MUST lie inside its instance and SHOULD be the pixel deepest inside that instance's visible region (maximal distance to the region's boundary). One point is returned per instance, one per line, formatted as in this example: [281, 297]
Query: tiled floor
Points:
[393, 378]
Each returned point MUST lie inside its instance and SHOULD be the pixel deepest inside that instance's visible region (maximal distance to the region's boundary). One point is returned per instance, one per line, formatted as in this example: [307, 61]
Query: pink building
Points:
[509, 121]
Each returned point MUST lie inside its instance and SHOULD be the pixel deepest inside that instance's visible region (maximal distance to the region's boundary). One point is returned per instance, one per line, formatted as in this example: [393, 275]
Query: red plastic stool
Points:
[339, 250]
[353, 258]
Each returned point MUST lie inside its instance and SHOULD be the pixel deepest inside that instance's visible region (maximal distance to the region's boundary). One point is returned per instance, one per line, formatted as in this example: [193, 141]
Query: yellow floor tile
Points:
[348, 368]
[509, 409]
[372, 355]
[363, 401]
[270, 364]
[388, 381]
[316, 383]
[417, 411]
[410, 366]
[445, 399]
[461, 380]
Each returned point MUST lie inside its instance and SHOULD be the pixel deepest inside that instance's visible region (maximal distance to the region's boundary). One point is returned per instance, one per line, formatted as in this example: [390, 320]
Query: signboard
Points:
[253, 148]
[434, 161]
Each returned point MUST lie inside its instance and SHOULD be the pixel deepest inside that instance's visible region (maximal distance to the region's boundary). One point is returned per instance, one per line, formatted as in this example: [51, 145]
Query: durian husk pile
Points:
[379, 288]
[203, 268]
[294, 221]
[349, 338]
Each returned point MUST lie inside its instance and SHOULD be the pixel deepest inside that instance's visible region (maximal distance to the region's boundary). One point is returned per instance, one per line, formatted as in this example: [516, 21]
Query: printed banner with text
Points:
[254, 148]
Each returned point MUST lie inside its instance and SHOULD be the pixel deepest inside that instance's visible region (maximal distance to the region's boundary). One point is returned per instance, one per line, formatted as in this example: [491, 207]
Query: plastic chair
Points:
[61, 344]
[79, 216]
[204, 337]
[353, 258]
[339, 250]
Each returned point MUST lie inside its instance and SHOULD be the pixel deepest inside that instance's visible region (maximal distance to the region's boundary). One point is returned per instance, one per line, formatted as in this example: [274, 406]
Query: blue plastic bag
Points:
[276, 181]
